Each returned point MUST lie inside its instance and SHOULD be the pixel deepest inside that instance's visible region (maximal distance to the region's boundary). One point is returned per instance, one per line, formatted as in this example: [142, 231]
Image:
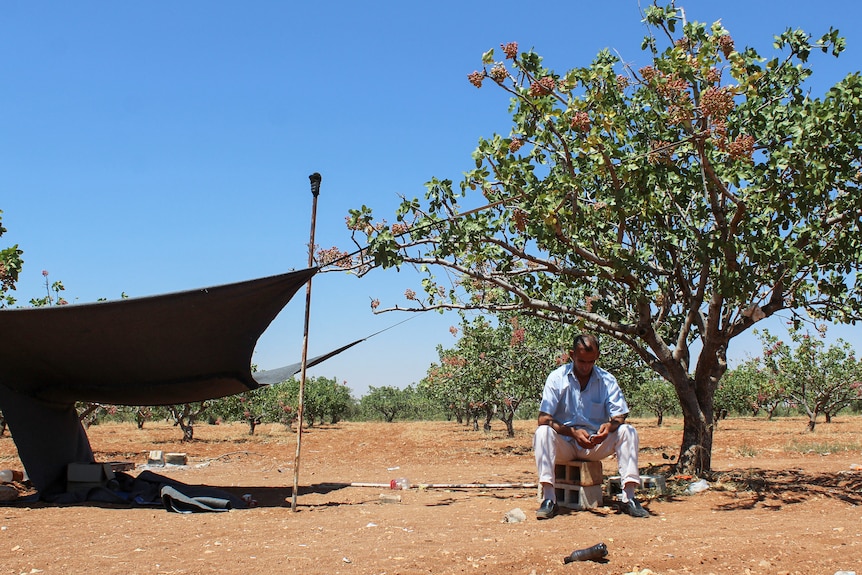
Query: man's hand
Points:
[602, 434]
[582, 437]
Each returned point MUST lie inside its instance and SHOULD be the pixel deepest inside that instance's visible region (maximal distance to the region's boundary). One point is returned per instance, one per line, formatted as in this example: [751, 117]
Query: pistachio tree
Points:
[494, 367]
[10, 267]
[816, 379]
[669, 205]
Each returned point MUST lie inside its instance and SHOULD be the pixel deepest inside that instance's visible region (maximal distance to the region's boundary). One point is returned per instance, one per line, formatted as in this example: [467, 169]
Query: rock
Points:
[516, 515]
[8, 493]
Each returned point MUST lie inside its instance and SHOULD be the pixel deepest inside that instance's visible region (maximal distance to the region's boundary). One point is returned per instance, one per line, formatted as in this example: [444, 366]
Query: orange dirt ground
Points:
[782, 501]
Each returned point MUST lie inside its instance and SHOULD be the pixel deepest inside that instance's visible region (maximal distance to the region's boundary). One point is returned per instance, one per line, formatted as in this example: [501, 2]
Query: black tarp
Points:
[161, 350]
[175, 348]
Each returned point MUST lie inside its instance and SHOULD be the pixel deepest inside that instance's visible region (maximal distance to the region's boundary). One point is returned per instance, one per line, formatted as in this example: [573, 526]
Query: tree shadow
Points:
[773, 489]
[282, 496]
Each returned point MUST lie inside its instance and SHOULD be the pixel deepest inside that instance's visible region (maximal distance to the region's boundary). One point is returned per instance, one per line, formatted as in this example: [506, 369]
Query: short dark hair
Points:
[586, 341]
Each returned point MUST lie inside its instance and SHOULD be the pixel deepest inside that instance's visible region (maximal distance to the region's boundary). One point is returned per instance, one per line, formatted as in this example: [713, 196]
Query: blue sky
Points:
[151, 147]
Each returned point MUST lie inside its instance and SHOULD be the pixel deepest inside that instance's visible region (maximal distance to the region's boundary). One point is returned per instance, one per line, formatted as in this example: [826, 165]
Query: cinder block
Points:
[176, 458]
[579, 496]
[121, 466]
[586, 473]
[156, 457]
[656, 482]
[85, 476]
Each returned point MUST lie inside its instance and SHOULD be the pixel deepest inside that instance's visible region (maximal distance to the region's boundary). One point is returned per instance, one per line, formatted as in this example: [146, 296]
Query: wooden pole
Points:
[315, 191]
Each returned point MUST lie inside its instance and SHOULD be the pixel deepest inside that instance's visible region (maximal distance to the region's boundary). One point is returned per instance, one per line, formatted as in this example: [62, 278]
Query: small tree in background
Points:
[185, 415]
[494, 368]
[751, 388]
[388, 402]
[737, 391]
[656, 396]
[818, 380]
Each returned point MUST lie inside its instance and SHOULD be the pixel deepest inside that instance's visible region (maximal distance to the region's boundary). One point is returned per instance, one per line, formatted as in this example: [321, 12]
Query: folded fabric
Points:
[178, 502]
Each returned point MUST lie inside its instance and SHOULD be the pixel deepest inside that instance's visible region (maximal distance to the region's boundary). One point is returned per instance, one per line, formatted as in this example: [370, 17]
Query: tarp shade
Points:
[279, 374]
[161, 350]
[48, 436]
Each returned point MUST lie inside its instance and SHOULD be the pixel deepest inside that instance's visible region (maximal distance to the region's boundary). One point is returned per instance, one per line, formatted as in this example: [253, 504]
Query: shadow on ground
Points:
[776, 488]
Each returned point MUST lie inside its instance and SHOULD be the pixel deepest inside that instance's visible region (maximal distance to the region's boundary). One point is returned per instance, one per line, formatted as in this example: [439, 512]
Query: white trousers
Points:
[551, 448]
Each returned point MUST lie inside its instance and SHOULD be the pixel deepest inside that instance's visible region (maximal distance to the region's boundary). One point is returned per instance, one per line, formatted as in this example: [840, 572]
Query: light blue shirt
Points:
[587, 409]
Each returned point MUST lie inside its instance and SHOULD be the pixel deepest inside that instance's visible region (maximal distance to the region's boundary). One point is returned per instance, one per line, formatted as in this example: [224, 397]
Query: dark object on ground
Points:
[594, 553]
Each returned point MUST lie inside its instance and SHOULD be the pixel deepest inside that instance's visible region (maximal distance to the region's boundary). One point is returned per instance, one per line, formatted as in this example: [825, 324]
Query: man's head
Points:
[584, 353]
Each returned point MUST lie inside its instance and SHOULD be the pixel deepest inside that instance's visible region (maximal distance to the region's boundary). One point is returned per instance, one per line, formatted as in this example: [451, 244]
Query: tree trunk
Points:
[507, 418]
[84, 416]
[695, 452]
[489, 415]
[506, 414]
[252, 423]
[812, 418]
[188, 430]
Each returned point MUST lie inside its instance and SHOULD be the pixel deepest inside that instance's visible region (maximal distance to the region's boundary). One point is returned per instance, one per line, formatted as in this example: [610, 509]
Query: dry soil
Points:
[781, 501]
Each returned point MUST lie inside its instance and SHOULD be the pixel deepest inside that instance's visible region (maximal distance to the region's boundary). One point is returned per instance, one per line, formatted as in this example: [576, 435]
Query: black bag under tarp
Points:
[160, 350]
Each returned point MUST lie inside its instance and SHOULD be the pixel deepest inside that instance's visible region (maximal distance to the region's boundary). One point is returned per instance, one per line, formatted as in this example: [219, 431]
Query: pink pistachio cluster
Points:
[716, 102]
[725, 44]
[520, 217]
[713, 76]
[334, 256]
[542, 86]
[660, 152]
[580, 121]
[510, 50]
[622, 82]
[648, 73]
[399, 228]
[476, 78]
[742, 147]
[518, 336]
[499, 73]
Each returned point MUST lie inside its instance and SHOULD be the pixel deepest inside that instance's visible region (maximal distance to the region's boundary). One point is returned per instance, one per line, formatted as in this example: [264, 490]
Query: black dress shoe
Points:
[547, 510]
[633, 507]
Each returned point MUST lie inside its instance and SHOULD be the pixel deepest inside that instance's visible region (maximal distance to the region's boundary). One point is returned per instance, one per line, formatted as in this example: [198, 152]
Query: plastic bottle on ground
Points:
[594, 553]
[400, 483]
[697, 487]
[10, 475]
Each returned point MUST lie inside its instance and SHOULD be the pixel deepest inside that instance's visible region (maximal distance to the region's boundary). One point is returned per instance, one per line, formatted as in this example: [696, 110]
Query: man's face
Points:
[583, 361]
